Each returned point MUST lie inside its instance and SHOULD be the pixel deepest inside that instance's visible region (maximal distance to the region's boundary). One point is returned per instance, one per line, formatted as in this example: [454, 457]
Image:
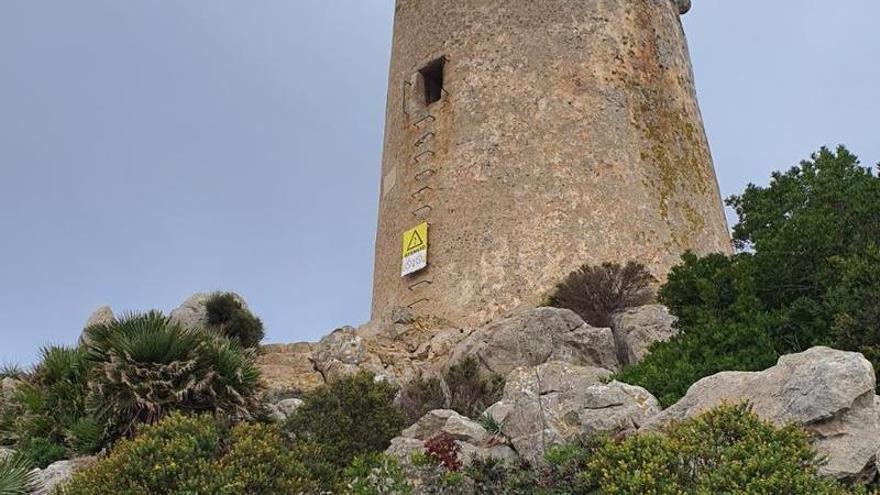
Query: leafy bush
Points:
[807, 275]
[443, 449]
[231, 319]
[146, 366]
[351, 416]
[186, 454]
[16, 476]
[722, 328]
[728, 450]
[469, 393]
[375, 474]
[597, 292]
[725, 451]
[40, 451]
[419, 397]
[46, 404]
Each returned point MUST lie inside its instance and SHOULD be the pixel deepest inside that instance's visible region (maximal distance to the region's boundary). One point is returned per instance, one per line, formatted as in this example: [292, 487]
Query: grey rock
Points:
[557, 403]
[636, 329]
[535, 337]
[475, 442]
[828, 392]
[8, 386]
[58, 473]
[101, 316]
[284, 409]
[193, 314]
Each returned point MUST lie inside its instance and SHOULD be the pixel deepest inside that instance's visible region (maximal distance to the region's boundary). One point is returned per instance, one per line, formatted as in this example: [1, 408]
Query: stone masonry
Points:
[534, 137]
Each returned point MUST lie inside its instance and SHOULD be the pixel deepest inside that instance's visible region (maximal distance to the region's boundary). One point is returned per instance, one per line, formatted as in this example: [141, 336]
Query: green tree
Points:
[807, 274]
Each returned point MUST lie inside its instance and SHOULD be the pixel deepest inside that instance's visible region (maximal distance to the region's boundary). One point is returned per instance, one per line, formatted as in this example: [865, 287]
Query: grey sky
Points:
[149, 150]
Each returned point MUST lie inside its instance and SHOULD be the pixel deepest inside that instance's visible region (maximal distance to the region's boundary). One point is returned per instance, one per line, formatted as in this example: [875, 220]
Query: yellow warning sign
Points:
[415, 240]
[415, 249]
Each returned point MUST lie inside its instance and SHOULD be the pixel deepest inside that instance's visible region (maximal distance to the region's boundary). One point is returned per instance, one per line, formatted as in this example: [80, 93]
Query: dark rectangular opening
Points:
[432, 76]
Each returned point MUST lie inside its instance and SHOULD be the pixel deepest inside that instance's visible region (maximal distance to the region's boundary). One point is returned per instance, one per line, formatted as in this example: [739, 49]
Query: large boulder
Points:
[557, 402]
[58, 473]
[101, 316]
[284, 409]
[193, 313]
[536, 337]
[474, 440]
[288, 369]
[637, 329]
[828, 392]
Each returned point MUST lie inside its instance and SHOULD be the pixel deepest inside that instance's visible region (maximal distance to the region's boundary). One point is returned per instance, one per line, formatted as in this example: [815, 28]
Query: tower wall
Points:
[567, 131]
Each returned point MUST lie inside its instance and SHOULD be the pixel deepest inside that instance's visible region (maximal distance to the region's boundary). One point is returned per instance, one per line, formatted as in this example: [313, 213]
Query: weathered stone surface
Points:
[397, 349]
[288, 368]
[474, 440]
[557, 402]
[101, 316]
[581, 142]
[192, 313]
[58, 473]
[535, 337]
[8, 386]
[829, 392]
[284, 409]
[636, 329]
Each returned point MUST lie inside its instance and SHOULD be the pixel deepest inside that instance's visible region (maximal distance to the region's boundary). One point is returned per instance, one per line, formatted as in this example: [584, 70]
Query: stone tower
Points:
[535, 136]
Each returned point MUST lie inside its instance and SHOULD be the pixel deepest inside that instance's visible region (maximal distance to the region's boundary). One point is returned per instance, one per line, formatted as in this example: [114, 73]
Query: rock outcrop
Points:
[57, 473]
[101, 316]
[557, 402]
[397, 349]
[193, 313]
[828, 392]
[474, 440]
[637, 329]
[288, 369]
[284, 409]
[536, 337]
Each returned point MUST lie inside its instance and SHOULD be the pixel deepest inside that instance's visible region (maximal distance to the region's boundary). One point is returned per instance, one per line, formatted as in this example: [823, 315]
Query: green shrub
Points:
[725, 451]
[351, 416]
[807, 275]
[469, 393]
[196, 455]
[230, 318]
[375, 474]
[46, 404]
[16, 477]
[146, 367]
[40, 451]
[419, 397]
[597, 292]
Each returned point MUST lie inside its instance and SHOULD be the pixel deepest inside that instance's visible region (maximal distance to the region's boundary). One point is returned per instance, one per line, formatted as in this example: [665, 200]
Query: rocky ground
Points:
[558, 383]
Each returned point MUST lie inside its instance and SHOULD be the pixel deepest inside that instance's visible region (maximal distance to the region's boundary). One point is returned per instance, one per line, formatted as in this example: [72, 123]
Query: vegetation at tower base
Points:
[15, 476]
[198, 455]
[597, 292]
[725, 451]
[124, 373]
[807, 274]
[146, 367]
[226, 315]
[352, 416]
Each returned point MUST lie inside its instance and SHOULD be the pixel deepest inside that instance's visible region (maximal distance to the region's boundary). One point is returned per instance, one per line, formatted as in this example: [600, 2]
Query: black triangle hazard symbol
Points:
[415, 242]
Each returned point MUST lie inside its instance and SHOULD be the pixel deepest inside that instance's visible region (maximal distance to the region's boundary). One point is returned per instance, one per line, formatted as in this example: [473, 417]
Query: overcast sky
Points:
[149, 150]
